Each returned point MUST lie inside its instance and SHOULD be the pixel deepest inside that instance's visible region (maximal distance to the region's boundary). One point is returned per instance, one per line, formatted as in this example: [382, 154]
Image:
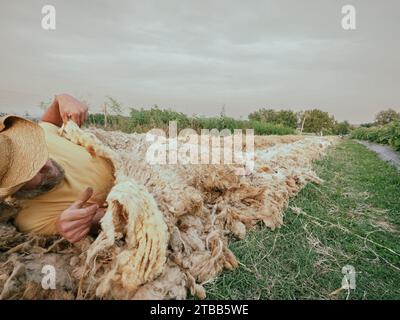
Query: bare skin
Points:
[65, 107]
[49, 170]
[82, 217]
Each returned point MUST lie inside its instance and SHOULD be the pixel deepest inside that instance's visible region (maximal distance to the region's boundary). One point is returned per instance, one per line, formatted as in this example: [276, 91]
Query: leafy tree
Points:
[386, 116]
[264, 115]
[96, 119]
[142, 119]
[367, 125]
[317, 121]
[286, 118]
[342, 128]
[114, 105]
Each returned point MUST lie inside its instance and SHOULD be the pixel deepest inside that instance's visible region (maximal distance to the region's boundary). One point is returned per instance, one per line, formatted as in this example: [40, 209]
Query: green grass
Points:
[359, 202]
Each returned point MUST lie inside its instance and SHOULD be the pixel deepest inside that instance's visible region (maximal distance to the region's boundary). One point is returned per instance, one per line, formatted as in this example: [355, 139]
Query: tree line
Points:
[263, 120]
[310, 121]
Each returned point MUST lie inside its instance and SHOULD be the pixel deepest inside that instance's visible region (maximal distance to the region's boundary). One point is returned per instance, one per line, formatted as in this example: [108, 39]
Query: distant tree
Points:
[143, 119]
[386, 116]
[223, 111]
[342, 128]
[367, 125]
[43, 105]
[286, 118]
[317, 121]
[264, 115]
[114, 105]
[96, 119]
[112, 111]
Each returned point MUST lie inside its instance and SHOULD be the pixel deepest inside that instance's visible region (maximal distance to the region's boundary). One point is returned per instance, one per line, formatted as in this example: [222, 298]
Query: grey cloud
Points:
[196, 56]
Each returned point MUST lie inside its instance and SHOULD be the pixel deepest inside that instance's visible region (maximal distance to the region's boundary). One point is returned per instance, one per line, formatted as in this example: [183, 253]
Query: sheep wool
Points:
[167, 227]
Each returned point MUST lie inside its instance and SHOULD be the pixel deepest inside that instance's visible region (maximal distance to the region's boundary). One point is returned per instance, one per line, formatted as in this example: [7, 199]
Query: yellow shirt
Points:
[39, 214]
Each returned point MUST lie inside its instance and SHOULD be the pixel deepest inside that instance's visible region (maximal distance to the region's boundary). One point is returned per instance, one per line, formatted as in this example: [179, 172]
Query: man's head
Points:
[50, 175]
[23, 155]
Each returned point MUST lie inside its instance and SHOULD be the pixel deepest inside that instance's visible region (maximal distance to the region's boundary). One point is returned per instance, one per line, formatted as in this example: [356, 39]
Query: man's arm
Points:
[65, 107]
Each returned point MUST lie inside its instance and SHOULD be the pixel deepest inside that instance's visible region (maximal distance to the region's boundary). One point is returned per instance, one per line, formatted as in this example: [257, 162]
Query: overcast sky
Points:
[196, 56]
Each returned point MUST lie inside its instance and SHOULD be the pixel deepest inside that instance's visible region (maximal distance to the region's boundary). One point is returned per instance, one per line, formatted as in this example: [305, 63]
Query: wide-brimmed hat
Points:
[23, 152]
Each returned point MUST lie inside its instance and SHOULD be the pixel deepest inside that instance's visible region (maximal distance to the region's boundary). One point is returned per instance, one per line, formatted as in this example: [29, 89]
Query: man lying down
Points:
[60, 187]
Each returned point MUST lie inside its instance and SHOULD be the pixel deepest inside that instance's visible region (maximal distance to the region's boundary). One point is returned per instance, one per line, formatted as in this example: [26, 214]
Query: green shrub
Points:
[285, 118]
[262, 128]
[386, 134]
[141, 120]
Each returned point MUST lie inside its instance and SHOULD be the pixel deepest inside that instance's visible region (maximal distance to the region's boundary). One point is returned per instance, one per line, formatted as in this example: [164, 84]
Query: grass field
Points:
[352, 218]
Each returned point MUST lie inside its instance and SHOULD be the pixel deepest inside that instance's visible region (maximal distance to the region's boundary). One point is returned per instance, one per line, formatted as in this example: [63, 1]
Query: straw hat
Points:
[23, 152]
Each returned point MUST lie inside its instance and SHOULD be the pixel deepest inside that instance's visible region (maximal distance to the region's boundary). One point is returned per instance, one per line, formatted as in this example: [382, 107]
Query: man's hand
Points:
[75, 222]
[64, 108]
[72, 109]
